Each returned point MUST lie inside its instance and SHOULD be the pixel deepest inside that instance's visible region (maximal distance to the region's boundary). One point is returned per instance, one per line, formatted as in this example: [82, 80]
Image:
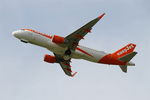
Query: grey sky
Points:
[25, 76]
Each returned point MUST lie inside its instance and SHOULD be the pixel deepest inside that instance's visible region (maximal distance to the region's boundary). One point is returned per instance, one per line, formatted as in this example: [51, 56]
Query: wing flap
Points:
[67, 69]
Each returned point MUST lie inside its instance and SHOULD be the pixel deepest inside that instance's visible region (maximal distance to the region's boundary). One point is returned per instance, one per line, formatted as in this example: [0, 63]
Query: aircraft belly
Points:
[47, 43]
[56, 48]
[80, 53]
[39, 40]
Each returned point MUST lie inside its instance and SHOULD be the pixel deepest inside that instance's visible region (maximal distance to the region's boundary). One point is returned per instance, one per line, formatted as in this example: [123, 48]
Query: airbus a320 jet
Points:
[66, 48]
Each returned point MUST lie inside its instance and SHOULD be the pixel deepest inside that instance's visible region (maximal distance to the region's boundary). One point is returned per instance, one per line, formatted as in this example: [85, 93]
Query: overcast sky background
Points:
[25, 76]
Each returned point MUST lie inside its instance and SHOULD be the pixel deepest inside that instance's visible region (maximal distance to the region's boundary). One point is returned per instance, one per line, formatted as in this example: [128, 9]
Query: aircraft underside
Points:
[66, 48]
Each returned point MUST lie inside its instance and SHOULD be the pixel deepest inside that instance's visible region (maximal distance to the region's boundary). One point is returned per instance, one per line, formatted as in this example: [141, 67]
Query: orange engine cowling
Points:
[58, 39]
[49, 59]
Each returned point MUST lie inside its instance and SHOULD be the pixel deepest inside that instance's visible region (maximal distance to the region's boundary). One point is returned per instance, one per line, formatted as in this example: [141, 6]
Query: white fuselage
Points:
[43, 40]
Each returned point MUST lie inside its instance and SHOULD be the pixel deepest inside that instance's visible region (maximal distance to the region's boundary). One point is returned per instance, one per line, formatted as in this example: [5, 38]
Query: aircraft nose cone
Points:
[15, 33]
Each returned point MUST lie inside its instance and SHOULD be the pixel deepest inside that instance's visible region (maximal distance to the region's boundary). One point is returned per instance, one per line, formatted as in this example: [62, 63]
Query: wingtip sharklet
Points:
[101, 16]
[73, 74]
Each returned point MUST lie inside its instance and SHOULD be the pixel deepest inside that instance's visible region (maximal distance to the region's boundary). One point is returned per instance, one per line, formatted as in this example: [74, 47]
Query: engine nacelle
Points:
[58, 39]
[49, 59]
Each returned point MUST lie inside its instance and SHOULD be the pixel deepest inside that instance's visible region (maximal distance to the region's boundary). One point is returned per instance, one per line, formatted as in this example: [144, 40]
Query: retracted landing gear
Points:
[67, 54]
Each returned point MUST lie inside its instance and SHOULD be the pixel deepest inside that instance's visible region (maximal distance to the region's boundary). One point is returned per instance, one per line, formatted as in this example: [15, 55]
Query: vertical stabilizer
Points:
[125, 50]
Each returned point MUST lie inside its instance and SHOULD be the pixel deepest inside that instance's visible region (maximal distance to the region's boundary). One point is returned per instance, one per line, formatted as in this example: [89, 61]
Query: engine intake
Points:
[49, 59]
[58, 39]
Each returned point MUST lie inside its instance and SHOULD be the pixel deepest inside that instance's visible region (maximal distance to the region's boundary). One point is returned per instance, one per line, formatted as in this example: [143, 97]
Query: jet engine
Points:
[49, 59]
[58, 39]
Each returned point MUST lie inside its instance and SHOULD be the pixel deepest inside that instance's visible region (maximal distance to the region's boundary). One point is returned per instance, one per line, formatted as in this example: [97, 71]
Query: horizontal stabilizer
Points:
[123, 68]
[128, 57]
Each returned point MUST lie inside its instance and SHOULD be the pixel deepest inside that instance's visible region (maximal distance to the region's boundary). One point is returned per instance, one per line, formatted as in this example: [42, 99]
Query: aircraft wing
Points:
[74, 38]
[65, 65]
[67, 68]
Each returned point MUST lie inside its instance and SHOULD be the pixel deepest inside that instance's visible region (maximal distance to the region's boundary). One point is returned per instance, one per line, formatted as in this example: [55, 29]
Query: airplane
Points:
[66, 48]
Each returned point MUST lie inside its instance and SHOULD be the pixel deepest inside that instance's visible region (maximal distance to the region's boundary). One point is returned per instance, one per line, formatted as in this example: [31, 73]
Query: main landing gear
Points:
[67, 54]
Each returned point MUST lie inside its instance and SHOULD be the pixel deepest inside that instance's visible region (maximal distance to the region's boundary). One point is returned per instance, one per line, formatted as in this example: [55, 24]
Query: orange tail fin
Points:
[125, 50]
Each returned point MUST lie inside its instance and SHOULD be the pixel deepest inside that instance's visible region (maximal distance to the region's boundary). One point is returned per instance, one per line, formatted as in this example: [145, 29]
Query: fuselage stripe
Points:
[48, 36]
[84, 52]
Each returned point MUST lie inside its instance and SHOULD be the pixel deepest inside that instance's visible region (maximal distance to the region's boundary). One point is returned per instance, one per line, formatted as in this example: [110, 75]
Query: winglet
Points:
[73, 74]
[101, 16]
